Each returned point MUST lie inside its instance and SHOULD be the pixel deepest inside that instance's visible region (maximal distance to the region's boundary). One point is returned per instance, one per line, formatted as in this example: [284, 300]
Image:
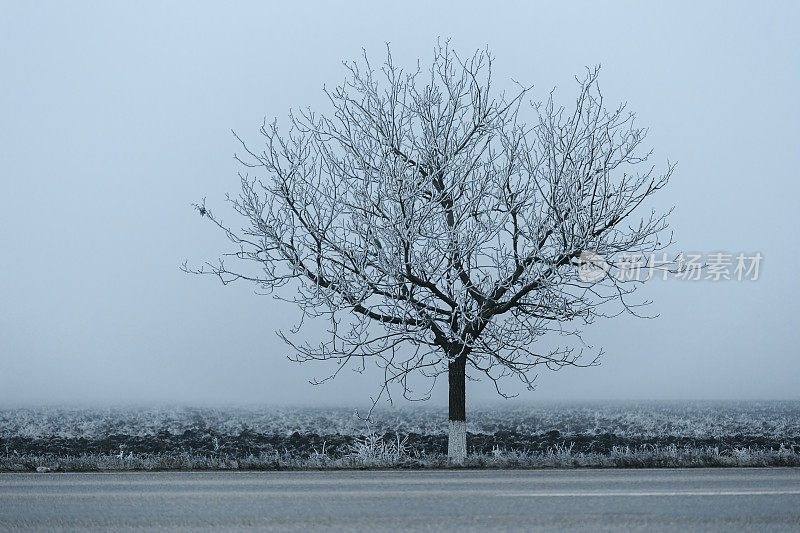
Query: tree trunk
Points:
[457, 427]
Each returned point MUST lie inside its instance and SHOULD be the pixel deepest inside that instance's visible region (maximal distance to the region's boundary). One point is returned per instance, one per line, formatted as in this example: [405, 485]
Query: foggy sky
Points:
[115, 118]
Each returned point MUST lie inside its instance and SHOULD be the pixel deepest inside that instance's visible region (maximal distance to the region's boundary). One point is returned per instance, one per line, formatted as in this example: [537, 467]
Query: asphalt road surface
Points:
[590, 500]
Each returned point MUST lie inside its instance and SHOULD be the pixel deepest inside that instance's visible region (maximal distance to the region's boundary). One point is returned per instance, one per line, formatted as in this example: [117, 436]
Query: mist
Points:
[118, 117]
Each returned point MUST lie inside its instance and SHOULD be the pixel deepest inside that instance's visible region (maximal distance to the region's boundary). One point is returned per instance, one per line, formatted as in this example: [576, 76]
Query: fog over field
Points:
[117, 117]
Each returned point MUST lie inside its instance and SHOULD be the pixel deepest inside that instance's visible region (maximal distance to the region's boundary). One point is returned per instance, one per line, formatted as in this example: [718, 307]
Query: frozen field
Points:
[545, 435]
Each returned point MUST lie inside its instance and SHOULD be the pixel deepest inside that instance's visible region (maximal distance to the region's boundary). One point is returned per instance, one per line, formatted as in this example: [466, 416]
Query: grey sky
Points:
[116, 117]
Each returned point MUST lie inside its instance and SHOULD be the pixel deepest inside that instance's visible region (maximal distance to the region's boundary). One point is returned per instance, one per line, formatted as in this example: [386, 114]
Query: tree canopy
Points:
[431, 219]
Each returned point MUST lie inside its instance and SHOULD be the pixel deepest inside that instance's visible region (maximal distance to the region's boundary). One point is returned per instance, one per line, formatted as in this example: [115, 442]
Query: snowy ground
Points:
[546, 435]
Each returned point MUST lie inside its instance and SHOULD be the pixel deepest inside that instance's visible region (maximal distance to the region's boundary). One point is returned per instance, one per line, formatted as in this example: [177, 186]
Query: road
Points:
[510, 500]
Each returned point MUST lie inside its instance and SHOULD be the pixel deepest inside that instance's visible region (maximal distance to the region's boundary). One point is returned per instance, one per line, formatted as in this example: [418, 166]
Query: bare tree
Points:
[436, 231]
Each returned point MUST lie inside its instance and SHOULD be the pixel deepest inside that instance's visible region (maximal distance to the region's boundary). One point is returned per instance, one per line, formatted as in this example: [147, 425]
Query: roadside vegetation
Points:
[616, 435]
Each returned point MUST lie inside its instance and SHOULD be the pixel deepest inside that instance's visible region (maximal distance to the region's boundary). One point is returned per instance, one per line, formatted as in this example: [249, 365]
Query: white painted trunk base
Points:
[457, 441]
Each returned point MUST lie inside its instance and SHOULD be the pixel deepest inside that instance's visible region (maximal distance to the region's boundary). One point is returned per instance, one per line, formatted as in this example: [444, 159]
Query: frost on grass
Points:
[545, 436]
[644, 419]
[384, 456]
